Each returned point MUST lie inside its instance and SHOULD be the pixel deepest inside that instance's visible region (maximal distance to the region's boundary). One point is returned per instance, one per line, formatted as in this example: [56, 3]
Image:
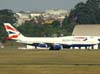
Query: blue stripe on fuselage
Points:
[81, 45]
[78, 45]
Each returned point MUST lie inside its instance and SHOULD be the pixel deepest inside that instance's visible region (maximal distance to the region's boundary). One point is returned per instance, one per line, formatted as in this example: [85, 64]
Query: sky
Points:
[31, 5]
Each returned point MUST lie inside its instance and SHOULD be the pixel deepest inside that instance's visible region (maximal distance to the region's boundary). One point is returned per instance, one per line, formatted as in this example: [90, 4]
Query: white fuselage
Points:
[67, 40]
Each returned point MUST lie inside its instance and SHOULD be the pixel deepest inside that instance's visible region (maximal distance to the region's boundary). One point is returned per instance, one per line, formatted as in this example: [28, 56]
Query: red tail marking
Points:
[11, 37]
[10, 28]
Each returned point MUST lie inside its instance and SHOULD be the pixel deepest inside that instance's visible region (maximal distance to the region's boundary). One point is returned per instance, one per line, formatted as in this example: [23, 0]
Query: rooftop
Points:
[87, 30]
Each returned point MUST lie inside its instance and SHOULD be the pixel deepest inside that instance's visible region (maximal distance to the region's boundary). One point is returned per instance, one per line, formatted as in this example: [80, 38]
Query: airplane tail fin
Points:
[13, 33]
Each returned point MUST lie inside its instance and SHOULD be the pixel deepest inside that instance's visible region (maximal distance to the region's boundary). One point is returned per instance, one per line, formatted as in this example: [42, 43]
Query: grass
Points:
[13, 61]
[48, 69]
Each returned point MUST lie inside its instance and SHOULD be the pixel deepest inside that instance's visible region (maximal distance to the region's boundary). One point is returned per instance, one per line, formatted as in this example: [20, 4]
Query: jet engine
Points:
[42, 45]
[56, 47]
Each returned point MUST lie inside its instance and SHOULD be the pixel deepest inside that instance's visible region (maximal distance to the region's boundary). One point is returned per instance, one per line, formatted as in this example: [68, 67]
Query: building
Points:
[57, 14]
[46, 17]
[22, 17]
[26, 16]
[87, 30]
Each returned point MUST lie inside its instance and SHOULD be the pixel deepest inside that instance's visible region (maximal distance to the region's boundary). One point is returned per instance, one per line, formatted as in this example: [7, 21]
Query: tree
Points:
[56, 24]
[3, 34]
[86, 13]
[94, 8]
[32, 30]
[7, 15]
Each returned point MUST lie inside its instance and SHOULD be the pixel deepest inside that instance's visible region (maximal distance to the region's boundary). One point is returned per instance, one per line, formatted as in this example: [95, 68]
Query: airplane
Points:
[53, 43]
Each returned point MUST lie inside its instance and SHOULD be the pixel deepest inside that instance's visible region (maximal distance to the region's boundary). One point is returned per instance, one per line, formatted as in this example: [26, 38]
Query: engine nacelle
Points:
[42, 45]
[58, 47]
